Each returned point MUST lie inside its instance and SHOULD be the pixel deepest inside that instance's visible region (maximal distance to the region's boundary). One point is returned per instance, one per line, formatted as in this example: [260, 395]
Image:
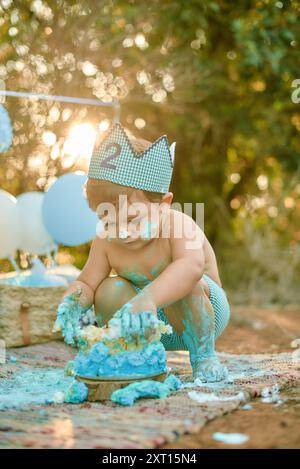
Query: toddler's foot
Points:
[209, 369]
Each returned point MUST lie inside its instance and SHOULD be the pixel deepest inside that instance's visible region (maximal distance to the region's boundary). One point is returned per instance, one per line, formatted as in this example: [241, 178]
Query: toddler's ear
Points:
[167, 198]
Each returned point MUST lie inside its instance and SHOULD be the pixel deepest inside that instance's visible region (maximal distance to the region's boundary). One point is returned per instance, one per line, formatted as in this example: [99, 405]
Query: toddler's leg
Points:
[111, 295]
[197, 318]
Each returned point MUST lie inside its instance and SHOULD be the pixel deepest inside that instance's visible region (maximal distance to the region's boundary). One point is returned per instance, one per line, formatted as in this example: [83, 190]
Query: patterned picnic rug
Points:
[25, 422]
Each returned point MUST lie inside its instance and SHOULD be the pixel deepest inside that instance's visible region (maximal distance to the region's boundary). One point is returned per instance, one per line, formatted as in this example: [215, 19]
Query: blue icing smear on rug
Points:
[32, 387]
[99, 362]
[40, 386]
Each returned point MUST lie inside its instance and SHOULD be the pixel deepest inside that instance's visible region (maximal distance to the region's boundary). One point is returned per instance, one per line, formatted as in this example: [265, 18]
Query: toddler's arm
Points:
[96, 269]
[80, 295]
[187, 266]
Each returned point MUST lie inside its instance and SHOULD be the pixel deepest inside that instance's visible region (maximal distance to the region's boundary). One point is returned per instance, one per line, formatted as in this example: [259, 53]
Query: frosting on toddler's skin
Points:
[120, 283]
[128, 395]
[199, 337]
[158, 268]
[69, 316]
[111, 335]
[124, 233]
[135, 277]
[133, 324]
[149, 230]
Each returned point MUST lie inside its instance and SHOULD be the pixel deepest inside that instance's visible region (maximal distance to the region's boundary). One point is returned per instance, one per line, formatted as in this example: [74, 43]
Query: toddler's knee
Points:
[110, 295]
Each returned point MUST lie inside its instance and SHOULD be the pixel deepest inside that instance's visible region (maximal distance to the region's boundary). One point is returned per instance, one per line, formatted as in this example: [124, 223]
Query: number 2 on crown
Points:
[106, 163]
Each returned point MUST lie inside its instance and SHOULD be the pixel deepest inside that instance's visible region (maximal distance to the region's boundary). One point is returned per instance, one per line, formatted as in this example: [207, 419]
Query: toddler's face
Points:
[136, 221]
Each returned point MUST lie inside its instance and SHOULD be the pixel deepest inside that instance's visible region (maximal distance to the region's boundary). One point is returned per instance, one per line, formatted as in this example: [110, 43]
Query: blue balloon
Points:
[66, 213]
[6, 133]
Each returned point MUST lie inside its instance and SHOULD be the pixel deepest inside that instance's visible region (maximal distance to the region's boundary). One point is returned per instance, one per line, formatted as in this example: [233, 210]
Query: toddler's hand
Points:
[70, 314]
[138, 318]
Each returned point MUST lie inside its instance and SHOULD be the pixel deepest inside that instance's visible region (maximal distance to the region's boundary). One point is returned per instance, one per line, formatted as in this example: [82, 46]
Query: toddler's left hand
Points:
[138, 317]
[141, 303]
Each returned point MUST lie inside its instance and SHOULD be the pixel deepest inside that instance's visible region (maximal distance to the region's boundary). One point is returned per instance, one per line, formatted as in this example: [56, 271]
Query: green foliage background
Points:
[216, 76]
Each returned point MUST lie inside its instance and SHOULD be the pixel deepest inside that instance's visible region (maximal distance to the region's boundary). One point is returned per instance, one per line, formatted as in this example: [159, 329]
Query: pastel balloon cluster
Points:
[36, 222]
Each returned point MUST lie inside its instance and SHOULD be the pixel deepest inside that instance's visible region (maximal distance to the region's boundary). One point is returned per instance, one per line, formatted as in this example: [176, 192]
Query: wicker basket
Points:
[27, 314]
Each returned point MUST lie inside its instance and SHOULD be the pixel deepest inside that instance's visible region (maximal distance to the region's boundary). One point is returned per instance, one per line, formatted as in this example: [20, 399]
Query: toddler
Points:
[148, 259]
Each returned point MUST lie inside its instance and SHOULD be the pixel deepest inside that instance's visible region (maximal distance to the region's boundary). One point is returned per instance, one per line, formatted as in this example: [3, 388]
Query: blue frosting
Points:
[33, 386]
[128, 395]
[76, 393]
[99, 361]
[199, 336]
[40, 386]
[69, 317]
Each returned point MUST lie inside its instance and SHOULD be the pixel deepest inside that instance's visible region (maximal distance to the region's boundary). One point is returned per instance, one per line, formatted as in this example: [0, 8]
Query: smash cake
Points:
[100, 362]
[105, 354]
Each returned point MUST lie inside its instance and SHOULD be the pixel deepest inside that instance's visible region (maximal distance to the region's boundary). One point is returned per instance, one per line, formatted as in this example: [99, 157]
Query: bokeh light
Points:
[79, 144]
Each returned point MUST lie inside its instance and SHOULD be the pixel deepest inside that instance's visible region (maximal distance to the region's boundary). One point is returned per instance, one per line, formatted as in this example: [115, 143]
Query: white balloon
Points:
[34, 238]
[9, 226]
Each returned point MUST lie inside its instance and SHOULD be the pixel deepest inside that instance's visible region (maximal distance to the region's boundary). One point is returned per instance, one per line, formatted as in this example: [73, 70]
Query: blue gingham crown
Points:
[115, 160]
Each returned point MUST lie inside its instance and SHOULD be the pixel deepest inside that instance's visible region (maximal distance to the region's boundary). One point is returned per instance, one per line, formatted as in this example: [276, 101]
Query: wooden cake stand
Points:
[100, 389]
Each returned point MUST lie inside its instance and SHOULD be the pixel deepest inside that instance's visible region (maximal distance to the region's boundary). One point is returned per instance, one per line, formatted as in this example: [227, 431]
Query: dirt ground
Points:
[254, 330]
